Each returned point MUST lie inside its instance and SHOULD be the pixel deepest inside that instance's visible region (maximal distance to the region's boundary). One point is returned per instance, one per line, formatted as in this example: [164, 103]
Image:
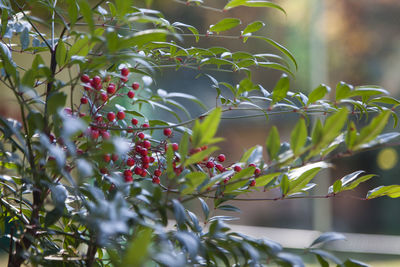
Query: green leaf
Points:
[266, 179]
[138, 249]
[184, 146]
[61, 53]
[392, 191]
[205, 208]
[318, 93]
[35, 122]
[351, 135]
[354, 263]
[225, 24]
[72, 12]
[86, 12]
[297, 184]
[123, 7]
[280, 47]
[199, 156]
[281, 89]
[253, 27]
[273, 143]
[316, 134]
[170, 160]
[80, 47]
[253, 3]
[56, 101]
[372, 130]
[298, 137]
[193, 180]
[284, 185]
[336, 187]
[189, 27]
[350, 181]
[333, 126]
[24, 39]
[229, 208]
[4, 20]
[343, 90]
[327, 237]
[140, 39]
[204, 132]
[385, 100]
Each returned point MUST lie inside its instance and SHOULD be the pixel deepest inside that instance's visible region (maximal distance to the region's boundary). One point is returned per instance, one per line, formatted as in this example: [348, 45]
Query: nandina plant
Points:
[89, 177]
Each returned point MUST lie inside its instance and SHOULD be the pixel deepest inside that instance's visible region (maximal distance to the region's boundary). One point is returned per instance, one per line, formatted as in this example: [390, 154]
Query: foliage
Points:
[100, 183]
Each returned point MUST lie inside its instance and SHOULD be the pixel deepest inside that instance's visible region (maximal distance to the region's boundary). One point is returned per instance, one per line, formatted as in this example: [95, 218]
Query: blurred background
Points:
[333, 40]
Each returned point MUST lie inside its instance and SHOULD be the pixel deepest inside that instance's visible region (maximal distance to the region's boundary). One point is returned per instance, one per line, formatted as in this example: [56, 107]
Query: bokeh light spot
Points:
[387, 158]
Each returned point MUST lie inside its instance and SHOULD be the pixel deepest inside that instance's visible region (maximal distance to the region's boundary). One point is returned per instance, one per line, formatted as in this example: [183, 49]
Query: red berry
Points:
[141, 135]
[175, 146]
[145, 125]
[124, 79]
[99, 118]
[107, 157]
[237, 168]
[130, 129]
[104, 97]
[143, 152]
[87, 88]
[124, 71]
[219, 167]
[210, 165]
[138, 170]
[84, 100]
[121, 115]
[146, 159]
[131, 94]
[106, 135]
[127, 173]
[157, 172]
[252, 183]
[85, 78]
[135, 86]
[103, 170]
[152, 159]
[257, 171]
[114, 157]
[96, 81]
[252, 165]
[94, 134]
[144, 173]
[221, 158]
[111, 88]
[128, 179]
[134, 121]
[167, 132]
[155, 180]
[111, 116]
[145, 166]
[147, 144]
[130, 162]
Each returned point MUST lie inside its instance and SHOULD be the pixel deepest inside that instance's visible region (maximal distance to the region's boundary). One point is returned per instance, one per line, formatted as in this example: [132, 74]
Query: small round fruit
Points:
[237, 168]
[167, 131]
[130, 162]
[131, 94]
[134, 121]
[85, 78]
[104, 97]
[147, 144]
[107, 157]
[135, 86]
[111, 88]
[84, 100]
[221, 158]
[128, 179]
[106, 135]
[94, 134]
[175, 146]
[124, 79]
[120, 115]
[141, 135]
[210, 164]
[257, 171]
[125, 72]
[137, 170]
[145, 125]
[156, 180]
[111, 116]
[96, 81]
[157, 172]
[128, 173]
[114, 157]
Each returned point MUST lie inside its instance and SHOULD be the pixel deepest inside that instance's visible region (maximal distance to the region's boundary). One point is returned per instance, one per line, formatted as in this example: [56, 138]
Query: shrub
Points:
[87, 179]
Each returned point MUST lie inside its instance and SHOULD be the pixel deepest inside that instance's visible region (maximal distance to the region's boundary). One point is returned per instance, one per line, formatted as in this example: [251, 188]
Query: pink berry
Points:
[124, 71]
[167, 132]
[221, 158]
[156, 180]
[134, 121]
[111, 116]
[130, 162]
[120, 115]
[106, 135]
[135, 86]
[131, 94]
[84, 100]
[85, 78]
